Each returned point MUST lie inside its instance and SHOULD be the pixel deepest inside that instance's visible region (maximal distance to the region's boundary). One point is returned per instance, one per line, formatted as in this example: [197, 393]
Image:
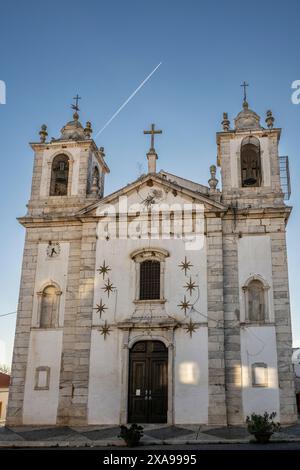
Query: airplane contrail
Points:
[128, 99]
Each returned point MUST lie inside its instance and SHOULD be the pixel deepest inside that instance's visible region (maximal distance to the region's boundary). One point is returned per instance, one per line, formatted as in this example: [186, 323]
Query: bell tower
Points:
[249, 160]
[255, 266]
[69, 171]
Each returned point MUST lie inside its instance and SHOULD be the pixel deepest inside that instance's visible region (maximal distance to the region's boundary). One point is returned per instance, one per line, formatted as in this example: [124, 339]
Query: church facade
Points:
[164, 302]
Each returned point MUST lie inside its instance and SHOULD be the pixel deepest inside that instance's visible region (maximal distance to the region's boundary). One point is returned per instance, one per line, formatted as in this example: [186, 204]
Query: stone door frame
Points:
[130, 337]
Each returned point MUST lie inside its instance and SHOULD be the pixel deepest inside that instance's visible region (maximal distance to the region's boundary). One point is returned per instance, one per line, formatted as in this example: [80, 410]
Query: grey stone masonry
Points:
[74, 380]
[74, 236]
[233, 372]
[23, 325]
[216, 365]
[288, 412]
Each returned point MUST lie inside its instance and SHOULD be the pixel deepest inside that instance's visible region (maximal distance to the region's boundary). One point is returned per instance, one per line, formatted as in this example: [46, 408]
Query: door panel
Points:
[137, 403]
[148, 383]
[158, 391]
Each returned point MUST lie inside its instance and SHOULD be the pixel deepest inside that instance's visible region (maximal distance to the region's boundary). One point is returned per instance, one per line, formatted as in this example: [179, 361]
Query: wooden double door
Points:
[148, 383]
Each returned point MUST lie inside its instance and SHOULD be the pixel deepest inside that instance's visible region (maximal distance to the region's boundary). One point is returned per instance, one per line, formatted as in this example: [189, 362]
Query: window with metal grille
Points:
[150, 280]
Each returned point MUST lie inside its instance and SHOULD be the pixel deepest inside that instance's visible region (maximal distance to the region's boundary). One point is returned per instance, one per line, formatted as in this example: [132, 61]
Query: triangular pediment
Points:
[154, 189]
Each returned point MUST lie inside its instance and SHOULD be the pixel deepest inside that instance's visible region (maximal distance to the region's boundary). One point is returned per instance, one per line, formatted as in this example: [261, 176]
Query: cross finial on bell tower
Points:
[76, 107]
[244, 85]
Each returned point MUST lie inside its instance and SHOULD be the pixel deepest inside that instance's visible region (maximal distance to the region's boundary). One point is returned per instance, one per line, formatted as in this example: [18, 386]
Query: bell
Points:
[250, 181]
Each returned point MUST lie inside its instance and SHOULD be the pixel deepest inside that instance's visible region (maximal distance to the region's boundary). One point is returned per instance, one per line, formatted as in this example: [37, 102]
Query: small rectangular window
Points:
[42, 378]
[259, 374]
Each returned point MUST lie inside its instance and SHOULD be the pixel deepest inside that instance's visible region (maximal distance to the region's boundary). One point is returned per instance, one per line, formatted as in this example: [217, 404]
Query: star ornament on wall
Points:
[105, 330]
[191, 327]
[100, 308]
[185, 265]
[190, 286]
[104, 269]
[184, 304]
[108, 287]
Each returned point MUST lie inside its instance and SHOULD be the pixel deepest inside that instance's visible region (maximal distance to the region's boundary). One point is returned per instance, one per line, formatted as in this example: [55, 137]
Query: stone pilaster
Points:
[216, 365]
[233, 373]
[288, 412]
[22, 336]
[69, 337]
[77, 329]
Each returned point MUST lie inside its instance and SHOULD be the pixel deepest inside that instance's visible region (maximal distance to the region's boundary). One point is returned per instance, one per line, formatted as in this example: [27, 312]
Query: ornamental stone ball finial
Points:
[225, 123]
[43, 133]
[270, 119]
[213, 181]
[75, 116]
[245, 105]
[88, 129]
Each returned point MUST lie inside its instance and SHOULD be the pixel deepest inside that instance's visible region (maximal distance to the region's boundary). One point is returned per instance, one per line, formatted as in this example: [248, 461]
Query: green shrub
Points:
[262, 423]
[131, 435]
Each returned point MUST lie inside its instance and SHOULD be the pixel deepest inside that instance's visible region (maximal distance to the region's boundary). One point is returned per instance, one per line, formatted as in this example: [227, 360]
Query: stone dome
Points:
[73, 130]
[247, 119]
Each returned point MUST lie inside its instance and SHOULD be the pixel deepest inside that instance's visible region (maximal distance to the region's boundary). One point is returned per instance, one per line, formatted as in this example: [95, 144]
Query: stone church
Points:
[166, 301]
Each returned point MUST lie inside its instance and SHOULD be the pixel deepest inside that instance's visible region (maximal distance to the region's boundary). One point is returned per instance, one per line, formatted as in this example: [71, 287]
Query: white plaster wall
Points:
[51, 269]
[116, 254]
[265, 161]
[191, 377]
[105, 360]
[45, 348]
[235, 146]
[3, 400]
[258, 344]
[104, 398]
[254, 258]
[48, 155]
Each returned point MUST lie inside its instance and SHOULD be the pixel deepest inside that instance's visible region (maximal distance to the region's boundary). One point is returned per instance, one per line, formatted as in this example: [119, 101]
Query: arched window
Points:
[150, 280]
[49, 307]
[95, 181]
[256, 300]
[96, 176]
[59, 176]
[250, 162]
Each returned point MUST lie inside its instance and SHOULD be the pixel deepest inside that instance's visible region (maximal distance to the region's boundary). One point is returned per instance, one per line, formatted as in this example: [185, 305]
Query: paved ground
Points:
[99, 436]
[290, 446]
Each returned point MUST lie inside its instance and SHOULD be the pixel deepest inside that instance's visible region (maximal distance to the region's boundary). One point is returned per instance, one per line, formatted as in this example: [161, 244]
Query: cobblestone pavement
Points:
[153, 435]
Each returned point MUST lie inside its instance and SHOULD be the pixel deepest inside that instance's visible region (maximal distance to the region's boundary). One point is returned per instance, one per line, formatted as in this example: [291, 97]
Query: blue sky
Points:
[49, 51]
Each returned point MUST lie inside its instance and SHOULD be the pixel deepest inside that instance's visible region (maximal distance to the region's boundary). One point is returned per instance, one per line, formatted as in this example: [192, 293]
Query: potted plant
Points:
[131, 435]
[262, 426]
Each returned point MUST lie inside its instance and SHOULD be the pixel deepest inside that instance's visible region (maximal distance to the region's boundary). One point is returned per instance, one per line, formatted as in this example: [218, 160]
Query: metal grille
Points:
[150, 280]
[285, 177]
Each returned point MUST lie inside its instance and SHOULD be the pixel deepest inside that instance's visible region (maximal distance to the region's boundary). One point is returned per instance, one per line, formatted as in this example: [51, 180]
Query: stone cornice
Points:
[34, 222]
[252, 213]
[64, 144]
[232, 133]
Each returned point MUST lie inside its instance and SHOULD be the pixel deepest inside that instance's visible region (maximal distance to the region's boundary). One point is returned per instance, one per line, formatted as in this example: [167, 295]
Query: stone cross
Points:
[152, 132]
